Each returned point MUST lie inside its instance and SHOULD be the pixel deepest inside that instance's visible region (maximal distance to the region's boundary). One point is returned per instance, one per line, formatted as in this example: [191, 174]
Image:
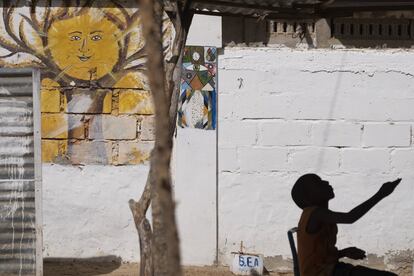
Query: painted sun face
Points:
[84, 47]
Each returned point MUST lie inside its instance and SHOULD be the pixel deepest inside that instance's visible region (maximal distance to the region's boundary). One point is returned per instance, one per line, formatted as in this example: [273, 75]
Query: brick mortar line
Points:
[96, 140]
[287, 120]
[68, 88]
[302, 147]
[309, 146]
[102, 114]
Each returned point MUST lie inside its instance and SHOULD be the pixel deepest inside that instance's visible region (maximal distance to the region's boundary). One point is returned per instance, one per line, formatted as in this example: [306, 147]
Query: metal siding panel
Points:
[37, 136]
[17, 174]
[16, 86]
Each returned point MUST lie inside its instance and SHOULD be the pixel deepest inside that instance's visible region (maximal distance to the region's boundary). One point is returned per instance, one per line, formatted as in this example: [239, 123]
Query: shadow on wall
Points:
[253, 32]
[81, 266]
[373, 30]
[248, 31]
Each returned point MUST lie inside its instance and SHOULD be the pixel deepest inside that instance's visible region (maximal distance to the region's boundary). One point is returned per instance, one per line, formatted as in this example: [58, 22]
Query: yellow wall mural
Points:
[96, 107]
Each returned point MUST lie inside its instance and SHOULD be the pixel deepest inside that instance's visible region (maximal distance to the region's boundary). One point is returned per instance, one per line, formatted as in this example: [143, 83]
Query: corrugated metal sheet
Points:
[17, 174]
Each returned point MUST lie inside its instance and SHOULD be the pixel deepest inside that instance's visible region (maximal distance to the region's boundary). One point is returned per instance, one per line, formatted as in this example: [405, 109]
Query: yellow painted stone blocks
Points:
[107, 103]
[55, 126]
[133, 153]
[147, 128]
[76, 126]
[130, 80]
[135, 102]
[90, 152]
[53, 150]
[62, 126]
[50, 96]
[87, 101]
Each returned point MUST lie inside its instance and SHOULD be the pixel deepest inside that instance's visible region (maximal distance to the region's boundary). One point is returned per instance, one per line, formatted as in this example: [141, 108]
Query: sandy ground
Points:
[116, 269]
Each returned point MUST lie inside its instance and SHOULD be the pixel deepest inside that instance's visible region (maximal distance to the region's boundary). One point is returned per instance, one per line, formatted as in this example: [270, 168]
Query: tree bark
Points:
[139, 210]
[181, 17]
[166, 254]
[160, 248]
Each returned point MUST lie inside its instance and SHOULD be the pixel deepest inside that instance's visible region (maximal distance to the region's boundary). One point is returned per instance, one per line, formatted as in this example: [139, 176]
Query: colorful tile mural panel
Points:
[93, 90]
[197, 104]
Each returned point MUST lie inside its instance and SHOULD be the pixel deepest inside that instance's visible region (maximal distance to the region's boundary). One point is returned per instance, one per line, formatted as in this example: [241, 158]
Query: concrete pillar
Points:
[323, 33]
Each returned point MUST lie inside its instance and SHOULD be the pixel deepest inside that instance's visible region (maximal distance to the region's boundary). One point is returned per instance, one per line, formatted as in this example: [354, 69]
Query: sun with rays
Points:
[91, 46]
[85, 47]
[83, 42]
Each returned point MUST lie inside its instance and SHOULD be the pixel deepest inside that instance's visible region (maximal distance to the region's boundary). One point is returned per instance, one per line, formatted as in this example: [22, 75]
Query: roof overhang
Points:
[287, 8]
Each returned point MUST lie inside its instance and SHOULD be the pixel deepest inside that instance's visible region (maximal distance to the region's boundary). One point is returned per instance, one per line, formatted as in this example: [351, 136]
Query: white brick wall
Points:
[237, 133]
[285, 133]
[346, 115]
[387, 135]
[373, 161]
[309, 159]
[254, 159]
[336, 134]
[229, 161]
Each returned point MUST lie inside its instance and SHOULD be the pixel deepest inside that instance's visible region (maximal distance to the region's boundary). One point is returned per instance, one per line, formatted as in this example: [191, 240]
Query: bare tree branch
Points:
[123, 10]
[139, 210]
[22, 42]
[7, 12]
[23, 37]
[34, 22]
[124, 52]
[182, 21]
[137, 55]
[114, 19]
[140, 67]
[9, 46]
[46, 23]
[8, 55]
[34, 25]
[61, 13]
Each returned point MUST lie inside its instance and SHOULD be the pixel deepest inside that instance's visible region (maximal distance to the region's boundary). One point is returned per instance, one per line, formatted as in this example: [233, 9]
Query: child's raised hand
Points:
[354, 253]
[388, 187]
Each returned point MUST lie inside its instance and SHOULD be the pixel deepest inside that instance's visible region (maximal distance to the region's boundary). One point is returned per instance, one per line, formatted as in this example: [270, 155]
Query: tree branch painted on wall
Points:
[96, 107]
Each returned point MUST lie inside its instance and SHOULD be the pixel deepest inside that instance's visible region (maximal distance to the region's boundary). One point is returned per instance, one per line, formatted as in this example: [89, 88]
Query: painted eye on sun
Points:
[75, 38]
[96, 38]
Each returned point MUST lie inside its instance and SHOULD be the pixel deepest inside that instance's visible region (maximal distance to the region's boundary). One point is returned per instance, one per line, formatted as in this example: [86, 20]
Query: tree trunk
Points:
[166, 254]
[160, 249]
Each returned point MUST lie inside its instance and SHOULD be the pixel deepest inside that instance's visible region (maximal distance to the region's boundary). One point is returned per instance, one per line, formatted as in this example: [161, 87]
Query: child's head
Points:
[311, 190]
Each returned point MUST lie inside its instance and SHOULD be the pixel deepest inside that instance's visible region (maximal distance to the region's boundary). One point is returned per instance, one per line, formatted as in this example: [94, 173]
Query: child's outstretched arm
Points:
[353, 253]
[322, 215]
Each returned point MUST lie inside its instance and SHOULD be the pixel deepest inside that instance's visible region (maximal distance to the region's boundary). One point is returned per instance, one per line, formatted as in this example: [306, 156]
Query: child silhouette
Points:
[317, 229]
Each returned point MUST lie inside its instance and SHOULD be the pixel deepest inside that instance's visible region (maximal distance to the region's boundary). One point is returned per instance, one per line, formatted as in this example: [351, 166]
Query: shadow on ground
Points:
[113, 266]
[85, 266]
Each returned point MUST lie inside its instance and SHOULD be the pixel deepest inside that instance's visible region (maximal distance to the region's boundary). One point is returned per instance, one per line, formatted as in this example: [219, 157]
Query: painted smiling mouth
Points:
[84, 58]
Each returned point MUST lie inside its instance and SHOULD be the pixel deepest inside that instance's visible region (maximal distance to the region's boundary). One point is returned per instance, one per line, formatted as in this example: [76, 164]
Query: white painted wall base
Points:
[86, 212]
[195, 188]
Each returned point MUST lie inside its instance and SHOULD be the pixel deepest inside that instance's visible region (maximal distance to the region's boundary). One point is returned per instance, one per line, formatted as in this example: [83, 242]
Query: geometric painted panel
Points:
[198, 93]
